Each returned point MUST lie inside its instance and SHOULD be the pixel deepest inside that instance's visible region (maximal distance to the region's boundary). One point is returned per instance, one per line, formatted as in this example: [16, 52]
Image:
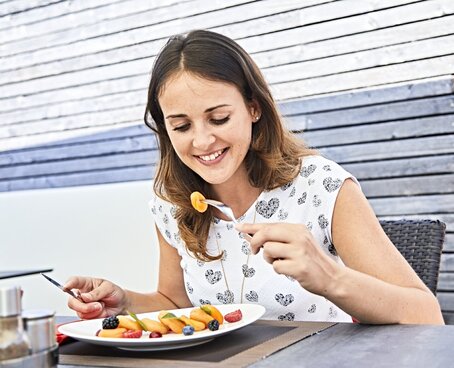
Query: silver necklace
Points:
[223, 269]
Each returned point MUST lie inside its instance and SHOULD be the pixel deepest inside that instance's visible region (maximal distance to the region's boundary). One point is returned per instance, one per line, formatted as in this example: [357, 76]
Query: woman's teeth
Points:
[211, 157]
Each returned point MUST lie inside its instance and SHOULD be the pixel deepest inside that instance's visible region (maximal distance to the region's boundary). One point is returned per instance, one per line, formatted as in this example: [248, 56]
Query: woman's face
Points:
[209, 125]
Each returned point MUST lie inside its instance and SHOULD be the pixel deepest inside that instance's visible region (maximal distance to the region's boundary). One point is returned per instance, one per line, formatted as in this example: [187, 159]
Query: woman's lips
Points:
[212, 157]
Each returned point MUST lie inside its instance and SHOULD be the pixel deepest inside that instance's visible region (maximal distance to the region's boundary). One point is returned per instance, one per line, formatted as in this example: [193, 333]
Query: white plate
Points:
[86, 330]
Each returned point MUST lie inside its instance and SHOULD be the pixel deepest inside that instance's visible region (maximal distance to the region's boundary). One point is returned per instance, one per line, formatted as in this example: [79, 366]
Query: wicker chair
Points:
[421, 243]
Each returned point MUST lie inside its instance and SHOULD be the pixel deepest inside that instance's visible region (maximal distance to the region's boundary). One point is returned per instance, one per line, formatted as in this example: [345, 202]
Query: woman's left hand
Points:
[293, 251]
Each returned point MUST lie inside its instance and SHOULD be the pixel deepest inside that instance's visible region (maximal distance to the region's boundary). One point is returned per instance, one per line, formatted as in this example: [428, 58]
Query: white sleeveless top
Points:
[308, 200]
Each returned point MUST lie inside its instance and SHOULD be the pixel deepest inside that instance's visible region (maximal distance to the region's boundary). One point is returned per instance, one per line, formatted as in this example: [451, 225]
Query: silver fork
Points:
[226, 210]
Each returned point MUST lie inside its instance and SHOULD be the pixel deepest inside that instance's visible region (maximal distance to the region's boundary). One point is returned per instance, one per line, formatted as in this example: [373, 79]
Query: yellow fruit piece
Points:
[196, 201]
[173, 323]
[128, 323]
[115, 332]
[201, 316]
[155, 326]
[198, 326]
[213, 312]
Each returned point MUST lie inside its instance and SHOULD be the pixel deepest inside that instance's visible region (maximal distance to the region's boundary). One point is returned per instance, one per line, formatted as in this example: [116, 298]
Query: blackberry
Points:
[213, 325]
[110, 323]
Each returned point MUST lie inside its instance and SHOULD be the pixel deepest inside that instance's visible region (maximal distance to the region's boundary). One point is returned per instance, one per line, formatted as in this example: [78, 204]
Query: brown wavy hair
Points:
[274, 154]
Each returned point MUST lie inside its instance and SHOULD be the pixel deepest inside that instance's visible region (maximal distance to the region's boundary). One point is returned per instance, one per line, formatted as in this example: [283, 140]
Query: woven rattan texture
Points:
[421, 243]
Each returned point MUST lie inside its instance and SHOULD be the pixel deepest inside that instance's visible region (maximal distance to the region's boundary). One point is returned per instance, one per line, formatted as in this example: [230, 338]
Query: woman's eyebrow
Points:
[215, 107]
[207, 110]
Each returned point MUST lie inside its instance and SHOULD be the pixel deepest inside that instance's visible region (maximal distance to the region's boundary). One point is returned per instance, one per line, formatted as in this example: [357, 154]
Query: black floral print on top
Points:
[309, 199]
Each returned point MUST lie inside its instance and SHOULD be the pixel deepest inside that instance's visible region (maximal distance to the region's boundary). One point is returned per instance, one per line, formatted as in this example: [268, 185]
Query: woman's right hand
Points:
[101, 298]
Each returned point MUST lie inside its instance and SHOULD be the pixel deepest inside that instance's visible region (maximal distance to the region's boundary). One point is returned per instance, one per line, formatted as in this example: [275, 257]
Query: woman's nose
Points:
[203, 137]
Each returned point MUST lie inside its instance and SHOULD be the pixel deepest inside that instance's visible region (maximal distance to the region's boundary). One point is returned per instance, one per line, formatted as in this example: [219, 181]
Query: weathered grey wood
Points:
[36, 86]
[431, 67]
[89, 134]
[426, 165]
[413, 205]
[164, 23]
[79, 179]
[391, 149]
[410, 128]
[412, 186]
[17, 63]
[90, 119]
[298, 53]
[376, 113]
[350, 35]
[22, 6]
[72, 93]
[447, 262]
[377, 95]
[449, 243]
[60, 16]
[446, 300]
[360, 60]
[68, 166]
[143, 50]
[449, 318]
[63, 110]
[113, 146]
[446, 281]
[292, 71]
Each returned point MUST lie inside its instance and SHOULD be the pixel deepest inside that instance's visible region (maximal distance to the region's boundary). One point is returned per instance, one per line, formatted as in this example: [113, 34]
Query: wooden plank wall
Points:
[369, 81]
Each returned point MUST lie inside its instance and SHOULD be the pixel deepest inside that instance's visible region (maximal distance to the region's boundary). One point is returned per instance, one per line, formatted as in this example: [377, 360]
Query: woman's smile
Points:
[213, 158]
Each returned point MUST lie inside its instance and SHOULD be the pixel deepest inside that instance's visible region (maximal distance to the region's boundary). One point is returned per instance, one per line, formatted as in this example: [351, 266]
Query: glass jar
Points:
[13, 339]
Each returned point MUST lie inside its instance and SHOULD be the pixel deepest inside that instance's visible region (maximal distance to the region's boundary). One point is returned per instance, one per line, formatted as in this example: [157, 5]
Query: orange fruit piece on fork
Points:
[196, 201]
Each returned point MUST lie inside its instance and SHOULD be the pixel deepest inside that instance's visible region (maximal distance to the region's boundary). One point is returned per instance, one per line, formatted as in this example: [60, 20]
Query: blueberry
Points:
[188, 330]
[213, 325]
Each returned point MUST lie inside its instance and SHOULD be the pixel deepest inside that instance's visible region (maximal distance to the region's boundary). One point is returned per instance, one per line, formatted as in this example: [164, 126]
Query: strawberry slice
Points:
[234, 316]
[132, 334]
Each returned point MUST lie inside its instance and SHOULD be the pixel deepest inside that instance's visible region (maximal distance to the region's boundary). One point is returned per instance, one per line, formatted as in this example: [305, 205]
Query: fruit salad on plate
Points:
[205, 317]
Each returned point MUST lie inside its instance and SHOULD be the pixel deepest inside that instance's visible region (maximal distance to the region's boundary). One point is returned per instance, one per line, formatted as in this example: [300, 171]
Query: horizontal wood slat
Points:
[376, 113]
[413, 186]
[85, 149]
[432, 67]
[79, 179]
[425, 165]
[63, 16]
[413, 205]
[369, 96]
[446, 281]
[391, 149]
[392, 130]
[446, 300]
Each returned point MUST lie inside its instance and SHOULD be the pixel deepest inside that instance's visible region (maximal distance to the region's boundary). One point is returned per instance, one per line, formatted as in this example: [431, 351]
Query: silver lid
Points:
[32, 314]
[10, 301]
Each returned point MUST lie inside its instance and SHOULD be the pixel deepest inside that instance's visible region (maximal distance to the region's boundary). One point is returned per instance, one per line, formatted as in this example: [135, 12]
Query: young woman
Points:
[317, 251]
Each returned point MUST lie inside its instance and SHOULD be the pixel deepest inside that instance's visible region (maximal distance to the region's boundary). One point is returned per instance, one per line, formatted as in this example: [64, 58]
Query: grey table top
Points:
[354, 345]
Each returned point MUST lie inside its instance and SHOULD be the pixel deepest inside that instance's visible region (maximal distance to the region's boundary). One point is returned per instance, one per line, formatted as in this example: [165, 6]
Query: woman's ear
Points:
[256, 111]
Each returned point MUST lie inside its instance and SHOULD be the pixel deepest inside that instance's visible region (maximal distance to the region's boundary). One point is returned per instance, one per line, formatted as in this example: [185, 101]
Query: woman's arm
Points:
[378, 285]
